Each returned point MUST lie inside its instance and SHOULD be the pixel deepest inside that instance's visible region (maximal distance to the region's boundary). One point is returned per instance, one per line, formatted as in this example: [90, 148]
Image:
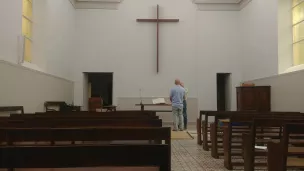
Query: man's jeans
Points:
[178, 119]
[185, 114]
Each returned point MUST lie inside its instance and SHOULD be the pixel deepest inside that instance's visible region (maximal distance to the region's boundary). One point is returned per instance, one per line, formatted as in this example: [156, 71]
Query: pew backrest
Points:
[66, 123]
[12, 109]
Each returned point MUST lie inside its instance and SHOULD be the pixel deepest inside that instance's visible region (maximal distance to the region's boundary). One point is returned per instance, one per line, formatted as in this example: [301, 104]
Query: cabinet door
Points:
[247, 99]
[263, 98]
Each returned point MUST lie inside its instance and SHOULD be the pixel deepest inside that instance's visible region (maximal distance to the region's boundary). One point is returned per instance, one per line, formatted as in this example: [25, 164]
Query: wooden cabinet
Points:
[255, 98]
[95, 103]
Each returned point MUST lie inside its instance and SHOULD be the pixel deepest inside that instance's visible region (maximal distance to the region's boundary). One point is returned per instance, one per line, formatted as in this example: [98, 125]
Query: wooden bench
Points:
[278, 155]
[86, 155]
[216, 130]
[249, 139]
[81, 121]
[88, 121]
[232, 136]
[12, 109]
[79, 116]
[203, 128]
[62, 106]
[65, 123]
[131, 112]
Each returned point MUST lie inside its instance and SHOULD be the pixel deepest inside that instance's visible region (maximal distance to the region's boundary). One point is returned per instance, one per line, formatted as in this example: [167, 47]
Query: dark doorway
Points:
[101, 85]
[223, 91]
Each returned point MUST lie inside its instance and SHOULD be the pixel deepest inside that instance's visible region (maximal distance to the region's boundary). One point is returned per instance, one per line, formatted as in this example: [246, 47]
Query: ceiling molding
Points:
[220, 5]
[96, 4]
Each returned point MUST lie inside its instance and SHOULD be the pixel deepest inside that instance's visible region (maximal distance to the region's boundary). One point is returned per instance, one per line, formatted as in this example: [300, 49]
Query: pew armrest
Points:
[275, 157]
[246, 144]
[248, 151]
[213, 137]
[227, 148]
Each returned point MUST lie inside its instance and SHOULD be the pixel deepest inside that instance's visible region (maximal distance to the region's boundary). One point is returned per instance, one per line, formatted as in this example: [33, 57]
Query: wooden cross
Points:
[157, 21]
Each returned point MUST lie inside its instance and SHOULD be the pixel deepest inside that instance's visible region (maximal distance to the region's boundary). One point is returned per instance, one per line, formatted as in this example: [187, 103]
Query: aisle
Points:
[188, 156]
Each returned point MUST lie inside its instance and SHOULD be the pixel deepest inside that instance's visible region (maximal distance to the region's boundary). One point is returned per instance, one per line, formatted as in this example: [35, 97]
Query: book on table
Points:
[159, 101]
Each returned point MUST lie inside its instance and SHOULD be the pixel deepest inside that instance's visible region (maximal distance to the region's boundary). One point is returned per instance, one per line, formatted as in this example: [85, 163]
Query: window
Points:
[298, 31]
[27, 23]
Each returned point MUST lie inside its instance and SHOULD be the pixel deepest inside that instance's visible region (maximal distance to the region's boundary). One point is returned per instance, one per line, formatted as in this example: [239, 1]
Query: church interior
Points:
[94, 85]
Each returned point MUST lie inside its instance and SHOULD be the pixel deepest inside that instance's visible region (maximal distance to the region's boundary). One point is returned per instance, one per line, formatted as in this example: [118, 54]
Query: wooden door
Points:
[246, 99]
[263, 98]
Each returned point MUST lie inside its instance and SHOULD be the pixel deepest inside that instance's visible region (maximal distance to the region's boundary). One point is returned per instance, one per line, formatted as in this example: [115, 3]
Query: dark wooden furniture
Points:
[216, 129]
[142, 107]
[249, 139]
[63, 106]
[79, 122]
[32, 116]
[279, 155]
[109, 108]
[88, 127]
[95, 103]
[12, 109]
[233, 133]
[255, 98]
[13, 136]
[154, 154]
[203, 127]
[126, 112]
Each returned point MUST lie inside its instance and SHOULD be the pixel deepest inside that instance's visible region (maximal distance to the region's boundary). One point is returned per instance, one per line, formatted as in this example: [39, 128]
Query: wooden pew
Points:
[216, 131]
[27, 121]
[62, 156]
[62, 106]
[12, 109]
[13, 136]
[203, 127]
[127, 112]
[119, 116]
[249, 140]
[80, 122]
[278, 156]
[232, 141]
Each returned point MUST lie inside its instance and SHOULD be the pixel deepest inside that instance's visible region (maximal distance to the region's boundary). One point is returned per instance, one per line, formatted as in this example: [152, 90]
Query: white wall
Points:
[20, 86]
[53, 31]
[259, 28]
[218, 51]
[194, 50]
[286, 91]
[112, 41]
[10, 29]
[285, 35]
[53, 36]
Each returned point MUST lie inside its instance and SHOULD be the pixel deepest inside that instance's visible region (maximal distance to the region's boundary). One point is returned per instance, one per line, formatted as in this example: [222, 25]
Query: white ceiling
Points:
[96, 4]
[204, 5]
[220, 5]
[218, 1]
[109, 1]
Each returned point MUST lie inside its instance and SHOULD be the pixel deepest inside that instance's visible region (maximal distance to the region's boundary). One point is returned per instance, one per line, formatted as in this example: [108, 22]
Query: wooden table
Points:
[142, 106]
[110, 108]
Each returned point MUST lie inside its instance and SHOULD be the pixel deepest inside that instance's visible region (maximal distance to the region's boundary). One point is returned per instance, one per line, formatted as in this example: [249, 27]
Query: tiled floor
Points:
[188, 156]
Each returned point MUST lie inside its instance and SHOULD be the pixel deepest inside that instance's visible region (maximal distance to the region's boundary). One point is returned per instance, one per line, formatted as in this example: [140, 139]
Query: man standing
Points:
[177, 95]
[185, 107]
